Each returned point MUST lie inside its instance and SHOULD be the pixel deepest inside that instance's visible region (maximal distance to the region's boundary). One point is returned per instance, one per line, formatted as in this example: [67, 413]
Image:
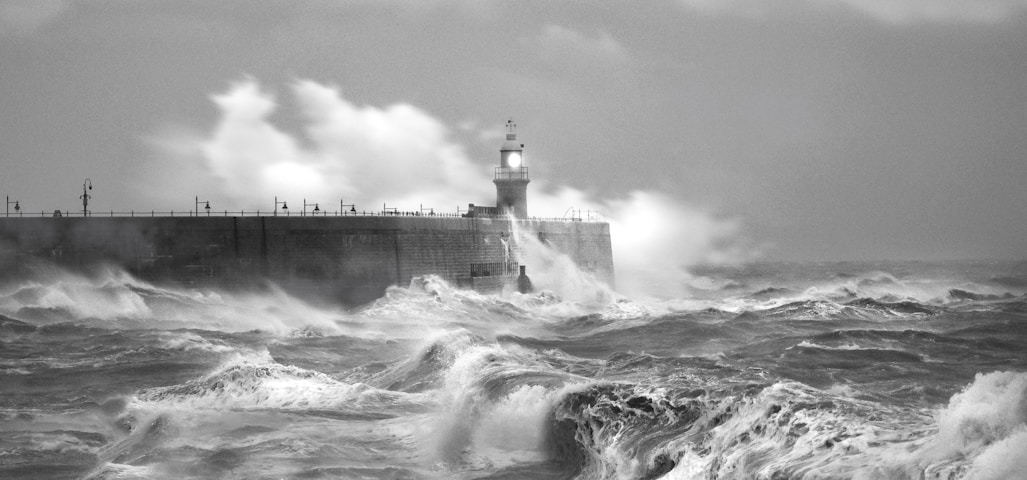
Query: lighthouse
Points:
[512, 176]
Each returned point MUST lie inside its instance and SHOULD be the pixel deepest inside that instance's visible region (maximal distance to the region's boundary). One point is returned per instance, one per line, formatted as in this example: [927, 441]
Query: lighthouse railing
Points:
[511, 173]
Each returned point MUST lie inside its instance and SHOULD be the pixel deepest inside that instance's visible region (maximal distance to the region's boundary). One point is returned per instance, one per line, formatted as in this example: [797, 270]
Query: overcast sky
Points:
[724, 129]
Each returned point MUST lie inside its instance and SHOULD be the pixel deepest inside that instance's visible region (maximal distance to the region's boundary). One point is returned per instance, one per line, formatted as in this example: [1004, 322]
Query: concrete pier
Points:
[348, 259]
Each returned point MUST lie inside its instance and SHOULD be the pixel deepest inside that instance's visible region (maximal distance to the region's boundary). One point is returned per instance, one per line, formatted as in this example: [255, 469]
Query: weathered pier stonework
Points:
[349, 259]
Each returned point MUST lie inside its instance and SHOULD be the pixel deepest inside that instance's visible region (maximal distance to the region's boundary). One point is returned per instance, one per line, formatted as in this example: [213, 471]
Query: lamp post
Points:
[305, 205]
[282, 203]
[574, 212]
[206, 207]
[342, 207]
[17, 207]
[86, 196]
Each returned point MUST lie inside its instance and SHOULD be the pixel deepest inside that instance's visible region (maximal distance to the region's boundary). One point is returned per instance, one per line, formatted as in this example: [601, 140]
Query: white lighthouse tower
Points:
[512, 176]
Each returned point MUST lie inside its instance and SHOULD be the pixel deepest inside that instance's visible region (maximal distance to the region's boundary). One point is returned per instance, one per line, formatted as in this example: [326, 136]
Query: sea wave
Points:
[256, 381]
[868, 373]
[788, 430]
[492, 404]
[987, 423]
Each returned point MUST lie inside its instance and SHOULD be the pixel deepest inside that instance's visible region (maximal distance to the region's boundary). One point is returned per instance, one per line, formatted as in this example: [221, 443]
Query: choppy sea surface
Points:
[773, 370]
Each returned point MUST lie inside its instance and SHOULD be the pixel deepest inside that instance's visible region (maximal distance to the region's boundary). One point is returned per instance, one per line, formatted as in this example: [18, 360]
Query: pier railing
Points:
[265, 213]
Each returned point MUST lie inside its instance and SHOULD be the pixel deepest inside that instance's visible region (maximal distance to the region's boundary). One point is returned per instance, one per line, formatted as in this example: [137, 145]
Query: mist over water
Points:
[840, 370]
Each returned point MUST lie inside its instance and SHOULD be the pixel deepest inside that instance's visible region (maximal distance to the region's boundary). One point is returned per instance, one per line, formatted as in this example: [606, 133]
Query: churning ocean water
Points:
[776, 370]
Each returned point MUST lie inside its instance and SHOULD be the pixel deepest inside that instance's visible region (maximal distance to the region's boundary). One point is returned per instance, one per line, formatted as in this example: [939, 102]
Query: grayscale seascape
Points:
[498, 239]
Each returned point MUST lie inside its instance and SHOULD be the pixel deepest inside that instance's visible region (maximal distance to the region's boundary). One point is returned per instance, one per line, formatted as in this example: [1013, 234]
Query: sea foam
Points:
[983, 420]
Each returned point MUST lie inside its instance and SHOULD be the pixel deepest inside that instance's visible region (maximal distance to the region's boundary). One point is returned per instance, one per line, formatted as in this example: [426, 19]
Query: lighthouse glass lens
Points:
[514, 159]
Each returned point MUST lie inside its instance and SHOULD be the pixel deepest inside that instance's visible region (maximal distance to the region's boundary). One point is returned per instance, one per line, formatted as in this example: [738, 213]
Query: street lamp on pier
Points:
[196, 212]
[342, 207]
[86, 196]
[282, 203]
[17, 207]
[305, 205]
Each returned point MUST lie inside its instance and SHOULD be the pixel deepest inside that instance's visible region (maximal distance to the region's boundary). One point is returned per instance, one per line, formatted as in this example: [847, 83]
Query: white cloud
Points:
[397, 155]
[253, 157]
[890, 11]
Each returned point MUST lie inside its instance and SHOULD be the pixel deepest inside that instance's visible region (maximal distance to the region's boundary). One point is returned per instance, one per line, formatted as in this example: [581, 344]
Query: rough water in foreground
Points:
[839, 370]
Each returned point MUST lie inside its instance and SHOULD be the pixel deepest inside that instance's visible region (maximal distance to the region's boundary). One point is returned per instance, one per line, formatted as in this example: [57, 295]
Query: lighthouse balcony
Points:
[511, 173]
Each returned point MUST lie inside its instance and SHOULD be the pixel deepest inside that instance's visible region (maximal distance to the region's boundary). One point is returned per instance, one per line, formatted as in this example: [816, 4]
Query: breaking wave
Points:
[787, 430]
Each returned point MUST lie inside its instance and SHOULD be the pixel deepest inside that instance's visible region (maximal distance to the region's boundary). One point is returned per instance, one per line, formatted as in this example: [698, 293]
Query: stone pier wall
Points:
[351, 259]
